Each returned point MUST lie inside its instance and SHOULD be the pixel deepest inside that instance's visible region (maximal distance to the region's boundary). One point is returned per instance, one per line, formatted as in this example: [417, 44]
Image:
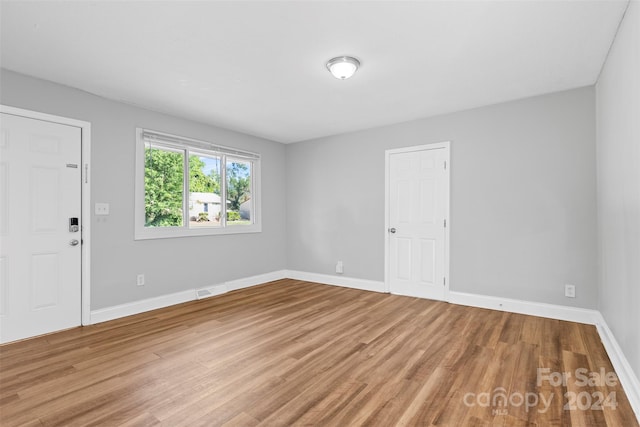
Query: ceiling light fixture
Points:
[343, 67]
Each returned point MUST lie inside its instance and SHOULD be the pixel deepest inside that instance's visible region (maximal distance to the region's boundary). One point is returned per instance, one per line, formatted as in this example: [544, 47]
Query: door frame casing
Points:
[85, 197]
[446, 145]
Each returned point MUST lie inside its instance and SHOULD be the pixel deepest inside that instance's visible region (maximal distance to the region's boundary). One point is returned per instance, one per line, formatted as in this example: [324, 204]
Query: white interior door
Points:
[40, 255]
[417, 203]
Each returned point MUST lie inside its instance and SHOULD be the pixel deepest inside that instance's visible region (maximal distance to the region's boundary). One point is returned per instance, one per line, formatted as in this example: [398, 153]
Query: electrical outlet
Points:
[569, 291]
[102, 208]
[140, 280]
[339, 267]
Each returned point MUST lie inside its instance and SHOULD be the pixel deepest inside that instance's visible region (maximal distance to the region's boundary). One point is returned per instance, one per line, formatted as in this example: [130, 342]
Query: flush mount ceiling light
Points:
[343, 67]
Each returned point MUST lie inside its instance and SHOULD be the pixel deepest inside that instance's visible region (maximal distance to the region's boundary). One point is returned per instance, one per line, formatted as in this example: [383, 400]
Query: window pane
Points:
[163, 187]
[205, 204]
[239, 203]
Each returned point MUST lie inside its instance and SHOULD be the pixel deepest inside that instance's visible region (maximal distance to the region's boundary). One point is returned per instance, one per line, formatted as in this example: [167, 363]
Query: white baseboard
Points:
[626, 375]
[136, 307]
[347, 282]
[256, 280]
[552, 311]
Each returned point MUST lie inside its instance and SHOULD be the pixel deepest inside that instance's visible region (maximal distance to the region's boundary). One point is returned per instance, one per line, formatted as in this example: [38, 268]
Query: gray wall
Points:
[618, 142]
[523, 198]
[170, 265]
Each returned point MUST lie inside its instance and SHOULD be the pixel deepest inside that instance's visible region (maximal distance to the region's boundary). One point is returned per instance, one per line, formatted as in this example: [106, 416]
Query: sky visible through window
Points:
[210, 165]
[213, 164]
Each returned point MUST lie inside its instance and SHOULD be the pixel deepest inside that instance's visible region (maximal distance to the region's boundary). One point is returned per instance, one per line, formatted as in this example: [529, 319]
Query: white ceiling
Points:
[259, 67]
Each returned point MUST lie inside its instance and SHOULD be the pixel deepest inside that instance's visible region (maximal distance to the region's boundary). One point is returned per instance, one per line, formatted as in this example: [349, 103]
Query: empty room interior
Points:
[340, 213]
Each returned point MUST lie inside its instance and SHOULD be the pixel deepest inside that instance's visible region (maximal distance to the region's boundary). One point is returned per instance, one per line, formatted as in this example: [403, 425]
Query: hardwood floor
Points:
[296, 353]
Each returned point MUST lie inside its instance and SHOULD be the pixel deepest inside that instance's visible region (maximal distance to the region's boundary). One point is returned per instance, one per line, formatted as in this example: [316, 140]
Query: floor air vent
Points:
[203, 293]
[210, 291]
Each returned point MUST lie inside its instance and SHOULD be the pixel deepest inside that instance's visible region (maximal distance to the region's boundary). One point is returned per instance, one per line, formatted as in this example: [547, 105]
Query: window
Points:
[186, 187]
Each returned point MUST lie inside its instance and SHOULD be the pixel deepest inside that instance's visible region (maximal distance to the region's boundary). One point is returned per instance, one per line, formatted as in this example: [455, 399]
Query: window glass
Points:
[163, 187]
[239, 205]
[205, 198]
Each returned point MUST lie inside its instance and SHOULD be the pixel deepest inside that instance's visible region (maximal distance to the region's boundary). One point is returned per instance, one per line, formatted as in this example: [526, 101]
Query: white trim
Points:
[625, 373]
[446, 145]
[136, 307]
[85, 128]
[551, 311]
[260, 279]
[347, 282]
[162, 301]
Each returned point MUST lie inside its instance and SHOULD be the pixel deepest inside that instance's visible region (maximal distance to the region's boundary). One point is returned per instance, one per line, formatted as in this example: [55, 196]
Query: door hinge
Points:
[444, 281]
[86, 173]
[445, 164]
[445, 223]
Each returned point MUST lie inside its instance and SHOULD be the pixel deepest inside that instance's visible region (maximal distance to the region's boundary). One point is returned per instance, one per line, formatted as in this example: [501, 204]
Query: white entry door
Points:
[40, 259]
[417, 203]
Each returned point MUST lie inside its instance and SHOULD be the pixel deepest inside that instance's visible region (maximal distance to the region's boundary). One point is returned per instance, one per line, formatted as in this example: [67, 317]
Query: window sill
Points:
[171, 232]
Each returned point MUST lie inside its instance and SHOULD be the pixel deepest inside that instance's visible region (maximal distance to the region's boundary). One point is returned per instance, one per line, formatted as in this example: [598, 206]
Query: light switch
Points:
[102, 208]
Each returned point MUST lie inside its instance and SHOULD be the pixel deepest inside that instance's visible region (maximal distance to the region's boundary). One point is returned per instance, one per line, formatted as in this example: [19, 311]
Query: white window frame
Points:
[202, 148]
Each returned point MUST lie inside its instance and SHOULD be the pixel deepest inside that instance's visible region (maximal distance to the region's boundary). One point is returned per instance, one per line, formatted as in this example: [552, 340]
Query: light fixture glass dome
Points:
[343, 67]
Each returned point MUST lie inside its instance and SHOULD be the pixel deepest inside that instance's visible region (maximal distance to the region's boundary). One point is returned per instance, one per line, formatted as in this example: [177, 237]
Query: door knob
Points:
[74, 242]
[392, 230]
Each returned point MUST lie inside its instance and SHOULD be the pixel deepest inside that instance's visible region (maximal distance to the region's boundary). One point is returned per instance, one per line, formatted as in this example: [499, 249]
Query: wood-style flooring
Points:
[296, 353]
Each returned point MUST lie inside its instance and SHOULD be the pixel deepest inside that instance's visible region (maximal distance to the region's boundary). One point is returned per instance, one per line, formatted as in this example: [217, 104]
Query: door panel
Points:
[427, 259]
[404, 258]
[45, 283]
[427, 199]
[40, 270]
[418, 194]
[45, 183]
